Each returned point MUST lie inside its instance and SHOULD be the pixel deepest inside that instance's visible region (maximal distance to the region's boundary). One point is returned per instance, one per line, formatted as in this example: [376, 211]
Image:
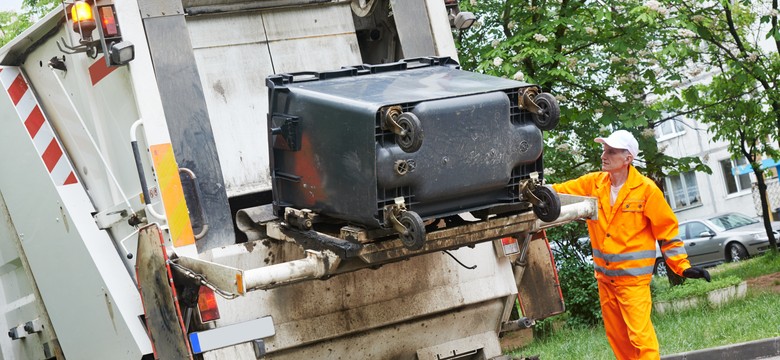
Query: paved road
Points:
[767, 349]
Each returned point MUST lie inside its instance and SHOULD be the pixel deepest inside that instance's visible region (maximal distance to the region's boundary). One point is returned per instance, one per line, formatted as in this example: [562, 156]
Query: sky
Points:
[10, 4]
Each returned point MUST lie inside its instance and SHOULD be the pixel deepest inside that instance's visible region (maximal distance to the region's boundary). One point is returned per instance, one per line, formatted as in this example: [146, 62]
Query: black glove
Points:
[697, 273]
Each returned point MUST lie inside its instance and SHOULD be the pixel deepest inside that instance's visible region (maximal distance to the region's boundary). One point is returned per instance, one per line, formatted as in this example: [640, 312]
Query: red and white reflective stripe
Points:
[41, 133]
[99, 70]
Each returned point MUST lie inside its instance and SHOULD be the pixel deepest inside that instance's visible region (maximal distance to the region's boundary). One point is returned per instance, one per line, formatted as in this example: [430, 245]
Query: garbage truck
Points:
[279, 179]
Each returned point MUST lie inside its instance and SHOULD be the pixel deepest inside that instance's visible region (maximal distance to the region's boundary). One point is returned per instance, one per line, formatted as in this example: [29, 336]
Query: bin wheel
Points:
[549, 208]
[412, 134]
[414, 238]
[549, 112]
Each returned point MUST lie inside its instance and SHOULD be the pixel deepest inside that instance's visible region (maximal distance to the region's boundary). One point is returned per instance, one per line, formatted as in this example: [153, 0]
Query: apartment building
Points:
[731, 185]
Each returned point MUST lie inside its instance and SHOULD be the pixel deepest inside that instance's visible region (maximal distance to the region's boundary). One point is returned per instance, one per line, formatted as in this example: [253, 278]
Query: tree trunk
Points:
[674, 279]
[765, 208]
[776, 109]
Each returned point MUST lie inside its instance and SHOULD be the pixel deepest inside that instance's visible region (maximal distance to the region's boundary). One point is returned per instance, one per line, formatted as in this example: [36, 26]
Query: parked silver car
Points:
[725, 237]
[720, 238]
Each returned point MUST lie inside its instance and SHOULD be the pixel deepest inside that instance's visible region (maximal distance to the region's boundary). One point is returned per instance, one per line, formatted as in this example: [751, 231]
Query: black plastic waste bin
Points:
[373, 145]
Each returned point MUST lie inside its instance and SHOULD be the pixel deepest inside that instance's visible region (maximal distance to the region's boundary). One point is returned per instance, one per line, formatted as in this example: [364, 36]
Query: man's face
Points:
[613, 159]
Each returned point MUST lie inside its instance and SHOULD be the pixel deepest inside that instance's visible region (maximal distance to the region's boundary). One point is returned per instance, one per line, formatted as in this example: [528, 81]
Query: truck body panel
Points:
[342, 311]
[21, 298]
[236, 51]
[75, 265]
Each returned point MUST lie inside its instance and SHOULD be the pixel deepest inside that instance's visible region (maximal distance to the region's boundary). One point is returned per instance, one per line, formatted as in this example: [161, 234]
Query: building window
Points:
[734, 181]
[670, 128]
[682, 190]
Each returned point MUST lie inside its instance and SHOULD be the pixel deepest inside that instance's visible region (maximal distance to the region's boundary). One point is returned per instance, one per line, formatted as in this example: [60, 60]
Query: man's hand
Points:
[697, 273]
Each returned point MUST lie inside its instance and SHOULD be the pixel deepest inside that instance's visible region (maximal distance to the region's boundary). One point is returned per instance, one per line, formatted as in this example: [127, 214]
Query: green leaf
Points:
[691, 95]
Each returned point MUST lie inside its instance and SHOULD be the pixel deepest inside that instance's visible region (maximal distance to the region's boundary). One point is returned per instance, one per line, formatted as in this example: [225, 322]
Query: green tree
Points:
[603, 63]
[608, 64]
[621, 64]
[13, 23]
[739, 43]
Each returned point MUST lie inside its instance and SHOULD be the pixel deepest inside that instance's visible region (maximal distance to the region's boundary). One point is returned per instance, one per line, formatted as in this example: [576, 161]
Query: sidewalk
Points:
[759, 349]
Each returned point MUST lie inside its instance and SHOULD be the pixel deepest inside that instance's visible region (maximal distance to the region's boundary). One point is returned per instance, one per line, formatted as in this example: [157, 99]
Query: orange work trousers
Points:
[626, 312]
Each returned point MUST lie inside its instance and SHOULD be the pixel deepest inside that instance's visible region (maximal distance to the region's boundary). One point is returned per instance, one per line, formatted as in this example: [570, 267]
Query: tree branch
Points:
[574, 50]
[598, 94]
[732, 30]
[676, 115]
[505, 16]
[774, 25]
[741, 63]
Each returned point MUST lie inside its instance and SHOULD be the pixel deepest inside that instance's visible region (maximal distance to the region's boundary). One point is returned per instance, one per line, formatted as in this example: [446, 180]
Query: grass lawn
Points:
[752, 318]
[765, 264]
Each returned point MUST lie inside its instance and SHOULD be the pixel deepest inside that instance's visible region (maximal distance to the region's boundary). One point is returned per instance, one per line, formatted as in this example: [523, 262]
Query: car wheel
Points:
[660, 268]
[737, 252]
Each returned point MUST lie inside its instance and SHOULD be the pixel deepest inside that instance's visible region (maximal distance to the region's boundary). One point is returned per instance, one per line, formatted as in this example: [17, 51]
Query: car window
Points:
[683, 235]
[730, 221]
[696, 228]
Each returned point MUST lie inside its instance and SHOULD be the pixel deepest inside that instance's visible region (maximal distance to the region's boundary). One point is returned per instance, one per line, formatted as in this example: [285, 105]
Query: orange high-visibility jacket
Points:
[624, 235]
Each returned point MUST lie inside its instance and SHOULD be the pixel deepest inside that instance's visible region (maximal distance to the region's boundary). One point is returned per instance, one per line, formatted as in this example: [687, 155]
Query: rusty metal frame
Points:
[391, 249]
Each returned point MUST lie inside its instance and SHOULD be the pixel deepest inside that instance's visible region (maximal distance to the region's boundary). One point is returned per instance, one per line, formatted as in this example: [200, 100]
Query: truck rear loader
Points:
[280, 179]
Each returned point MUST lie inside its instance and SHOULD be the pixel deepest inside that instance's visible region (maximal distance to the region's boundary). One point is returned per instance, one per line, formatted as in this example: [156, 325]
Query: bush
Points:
[575, 272]
[580, 291]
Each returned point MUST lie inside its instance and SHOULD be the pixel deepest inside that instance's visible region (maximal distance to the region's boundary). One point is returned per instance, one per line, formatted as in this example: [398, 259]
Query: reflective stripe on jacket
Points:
[624, 235]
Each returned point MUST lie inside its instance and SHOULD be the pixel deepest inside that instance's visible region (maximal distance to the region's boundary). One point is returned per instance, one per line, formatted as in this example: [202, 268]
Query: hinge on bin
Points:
[289, 131]
[302, 219]
[394, 210]
[526, 100]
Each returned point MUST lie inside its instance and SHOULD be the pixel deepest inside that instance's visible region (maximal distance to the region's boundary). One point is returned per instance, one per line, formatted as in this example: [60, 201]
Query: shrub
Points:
[580, 291]
[575, 272]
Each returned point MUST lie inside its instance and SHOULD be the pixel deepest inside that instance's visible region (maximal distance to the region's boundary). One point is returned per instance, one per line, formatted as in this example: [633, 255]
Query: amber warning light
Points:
[83, 19]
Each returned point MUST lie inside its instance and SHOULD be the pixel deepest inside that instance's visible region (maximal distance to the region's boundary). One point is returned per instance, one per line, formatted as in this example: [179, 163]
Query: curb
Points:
[748, 350]
[714, 298]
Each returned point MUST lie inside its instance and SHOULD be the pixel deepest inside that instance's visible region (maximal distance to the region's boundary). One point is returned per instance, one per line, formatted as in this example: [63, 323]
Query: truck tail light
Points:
[115, 51]
[207, 305]
[108, 21]
[509, 245]
[83, 19]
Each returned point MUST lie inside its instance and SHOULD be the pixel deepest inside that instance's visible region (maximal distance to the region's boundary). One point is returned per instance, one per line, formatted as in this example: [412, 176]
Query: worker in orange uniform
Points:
[633, 215]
